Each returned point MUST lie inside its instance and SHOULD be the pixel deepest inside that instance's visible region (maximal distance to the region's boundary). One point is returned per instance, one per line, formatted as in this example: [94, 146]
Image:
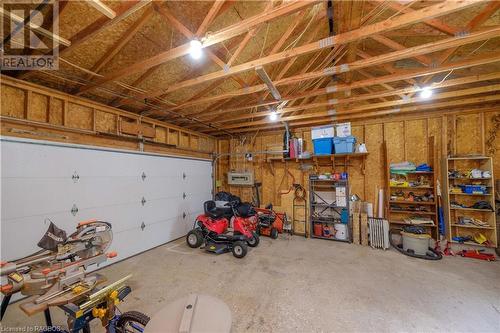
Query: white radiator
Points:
[379, 233]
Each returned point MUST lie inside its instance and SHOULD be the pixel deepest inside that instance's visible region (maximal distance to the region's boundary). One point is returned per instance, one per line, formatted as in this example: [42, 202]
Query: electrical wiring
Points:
[451, 71]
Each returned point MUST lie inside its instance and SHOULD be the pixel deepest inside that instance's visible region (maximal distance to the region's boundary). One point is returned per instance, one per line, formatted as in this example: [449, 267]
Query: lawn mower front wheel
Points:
[239, 249]
[194, 238]
[274, 233]
[254, 241]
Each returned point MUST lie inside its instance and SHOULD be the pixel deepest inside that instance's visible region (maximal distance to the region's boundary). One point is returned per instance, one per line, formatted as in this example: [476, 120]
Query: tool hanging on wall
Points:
[299, 212]
[256, 194]
[285, 176]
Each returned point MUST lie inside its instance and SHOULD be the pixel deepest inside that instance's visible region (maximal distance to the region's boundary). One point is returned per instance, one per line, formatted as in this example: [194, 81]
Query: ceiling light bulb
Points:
[273, 116]
[195, 49]
[426, 92]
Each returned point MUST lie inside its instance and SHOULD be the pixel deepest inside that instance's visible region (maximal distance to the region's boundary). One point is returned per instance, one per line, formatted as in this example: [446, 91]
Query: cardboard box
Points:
[322, 132]
[343, 129]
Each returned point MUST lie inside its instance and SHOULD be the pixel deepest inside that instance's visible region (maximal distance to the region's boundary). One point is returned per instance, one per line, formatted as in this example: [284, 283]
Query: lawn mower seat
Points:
[211, 209]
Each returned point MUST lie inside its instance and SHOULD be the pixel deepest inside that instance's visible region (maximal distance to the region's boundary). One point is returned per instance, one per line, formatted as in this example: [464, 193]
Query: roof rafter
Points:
[120, 43]
[402, 20]
[211, 15]
[365, 97]
[359, 64]
[215, 38]
[357, 113]
[387, 78]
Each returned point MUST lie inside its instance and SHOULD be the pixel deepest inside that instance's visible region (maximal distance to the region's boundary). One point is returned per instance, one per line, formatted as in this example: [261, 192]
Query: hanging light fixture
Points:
[195, 49]
[426, 92]
[273, 116]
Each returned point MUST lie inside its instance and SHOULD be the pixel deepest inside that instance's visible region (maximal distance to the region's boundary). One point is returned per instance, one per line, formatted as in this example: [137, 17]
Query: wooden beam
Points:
[424, 60]
[275, 48]
[434, 23]
[189, 35]
[476, 21]
[483, 16]
[123, 11]
[212, 14]
[120, 43]
[136, 83]
[215, 38]
[20, 20]
[363, 108]
[402, 20]
[373, 61]
[347, 116]
[384, 79]
[102, 8]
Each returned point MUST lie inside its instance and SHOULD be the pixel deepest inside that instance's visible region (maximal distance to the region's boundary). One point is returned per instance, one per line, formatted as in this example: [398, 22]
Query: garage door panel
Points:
[43, 180]
[93, 192]
[20, 237]
[40, 196]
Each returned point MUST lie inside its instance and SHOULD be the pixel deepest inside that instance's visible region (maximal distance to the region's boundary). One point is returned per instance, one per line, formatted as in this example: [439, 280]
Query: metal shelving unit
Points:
[327, 199]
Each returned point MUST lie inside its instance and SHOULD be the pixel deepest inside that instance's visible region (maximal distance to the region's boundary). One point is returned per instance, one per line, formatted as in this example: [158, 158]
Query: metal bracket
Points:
[74, 210]
[143, 201]
[143, 176]
[75, 177]
[143, 225]
[184, 195]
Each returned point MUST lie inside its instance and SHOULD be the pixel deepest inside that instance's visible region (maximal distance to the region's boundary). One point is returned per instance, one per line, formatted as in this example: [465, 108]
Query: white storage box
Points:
[322, 132]
[343, 129]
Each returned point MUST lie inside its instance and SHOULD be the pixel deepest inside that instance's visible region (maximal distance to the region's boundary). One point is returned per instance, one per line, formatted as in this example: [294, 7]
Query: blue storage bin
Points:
[471, 189]
[344, 145]
[323, 146]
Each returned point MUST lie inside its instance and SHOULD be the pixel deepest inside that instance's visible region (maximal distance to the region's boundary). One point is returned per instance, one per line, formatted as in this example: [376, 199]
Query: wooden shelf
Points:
[471, 226]
[430, 185]
[473, 209]
[452, 178]
[462, 164]
[430, 203]
[411, 212]
[412, 187]
[339, 155]
[468, 158]
[406, 223]
[413, 172]
[485, 194]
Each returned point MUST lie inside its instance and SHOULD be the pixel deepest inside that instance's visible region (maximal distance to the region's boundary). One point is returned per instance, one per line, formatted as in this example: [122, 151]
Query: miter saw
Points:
[57, 274]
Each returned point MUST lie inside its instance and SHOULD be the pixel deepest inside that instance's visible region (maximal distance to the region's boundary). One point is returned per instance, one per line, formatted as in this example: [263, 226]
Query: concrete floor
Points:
[299, 285]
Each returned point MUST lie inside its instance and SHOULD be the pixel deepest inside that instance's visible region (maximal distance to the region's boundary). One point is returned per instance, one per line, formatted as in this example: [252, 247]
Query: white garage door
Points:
[149, 199]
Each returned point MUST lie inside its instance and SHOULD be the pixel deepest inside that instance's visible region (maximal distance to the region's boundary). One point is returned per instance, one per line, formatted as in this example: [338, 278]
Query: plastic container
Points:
[318, 229]
[344, 216]
[470, 189]
[344, 145]
[321, 132]
[416, 243]
[341, 232]
[343, 130]
[323, 146]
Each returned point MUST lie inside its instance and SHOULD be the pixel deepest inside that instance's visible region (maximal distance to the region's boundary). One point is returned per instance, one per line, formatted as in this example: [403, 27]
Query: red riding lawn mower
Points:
[212, 230]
